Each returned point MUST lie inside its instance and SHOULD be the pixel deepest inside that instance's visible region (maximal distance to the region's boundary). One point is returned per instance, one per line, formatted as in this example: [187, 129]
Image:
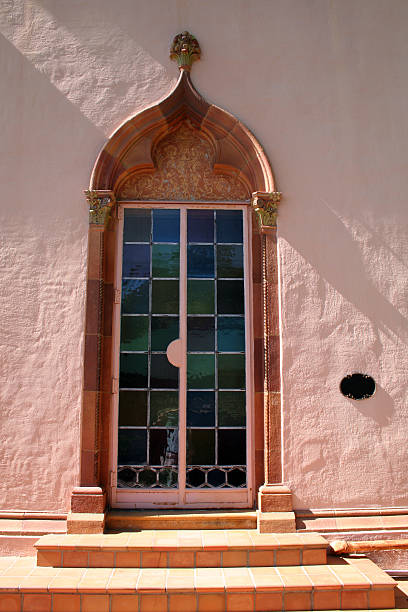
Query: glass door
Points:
[182, 410]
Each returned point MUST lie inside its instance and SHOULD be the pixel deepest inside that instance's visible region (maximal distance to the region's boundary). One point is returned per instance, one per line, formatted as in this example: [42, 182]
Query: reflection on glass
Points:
[163, 375]
[135, 296]
[230, 261]
[231, 334]
[200, 408]
[168, 478]
[137, 226]
[136, 260]
[232, 446]
[132, 408]
[200, 296]
[133, 371]
[231, 408]
[200, 261]
[165, 260]
[165, 297]
[163, 448]
[164, 408]
[164, 331]
[200, 371]
[200, 446]
[231, 371]
[200, 334]
[230, 297]
[200, 226]
[134, 333]
[132, 446]
[166, 225]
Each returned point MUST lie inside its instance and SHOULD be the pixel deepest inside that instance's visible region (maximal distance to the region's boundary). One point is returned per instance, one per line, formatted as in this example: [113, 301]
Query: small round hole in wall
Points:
[357, 386]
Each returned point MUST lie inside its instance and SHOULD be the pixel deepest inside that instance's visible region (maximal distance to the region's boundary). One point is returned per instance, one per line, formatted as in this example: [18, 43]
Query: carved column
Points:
[274, 498]
[88, 499]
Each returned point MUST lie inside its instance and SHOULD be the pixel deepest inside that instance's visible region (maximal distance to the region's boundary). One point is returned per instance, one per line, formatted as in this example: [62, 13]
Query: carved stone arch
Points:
[184, 149]
[133, 143]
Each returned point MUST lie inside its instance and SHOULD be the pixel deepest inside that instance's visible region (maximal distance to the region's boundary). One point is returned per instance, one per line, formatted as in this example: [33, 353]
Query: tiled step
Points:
[134, 520]
[339, 585]
[194, 548]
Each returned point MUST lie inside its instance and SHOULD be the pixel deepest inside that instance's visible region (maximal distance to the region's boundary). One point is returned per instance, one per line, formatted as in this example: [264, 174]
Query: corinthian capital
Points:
[265, 205]
[100, 203]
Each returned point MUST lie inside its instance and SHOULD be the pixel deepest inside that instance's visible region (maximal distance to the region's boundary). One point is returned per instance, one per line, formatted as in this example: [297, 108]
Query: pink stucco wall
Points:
[322, 84]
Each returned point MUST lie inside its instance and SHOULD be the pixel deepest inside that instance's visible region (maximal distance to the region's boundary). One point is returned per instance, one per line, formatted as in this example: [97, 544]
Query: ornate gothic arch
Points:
[181, 149]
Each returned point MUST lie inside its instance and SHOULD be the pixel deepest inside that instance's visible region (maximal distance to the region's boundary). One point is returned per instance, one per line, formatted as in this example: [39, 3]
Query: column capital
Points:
[265, 205]
[100, 203]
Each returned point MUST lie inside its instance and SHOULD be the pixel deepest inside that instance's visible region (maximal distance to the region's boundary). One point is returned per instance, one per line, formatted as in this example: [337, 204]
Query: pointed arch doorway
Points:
[181, 397]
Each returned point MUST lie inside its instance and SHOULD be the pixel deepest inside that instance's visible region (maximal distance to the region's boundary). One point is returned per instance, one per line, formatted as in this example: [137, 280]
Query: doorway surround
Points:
[144, 161]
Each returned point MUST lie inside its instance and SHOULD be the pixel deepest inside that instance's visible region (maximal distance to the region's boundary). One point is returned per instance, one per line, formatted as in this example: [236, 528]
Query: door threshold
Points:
[135, 520]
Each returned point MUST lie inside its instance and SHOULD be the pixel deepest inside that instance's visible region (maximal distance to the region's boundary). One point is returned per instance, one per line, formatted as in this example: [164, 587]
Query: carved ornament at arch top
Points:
[183, 148]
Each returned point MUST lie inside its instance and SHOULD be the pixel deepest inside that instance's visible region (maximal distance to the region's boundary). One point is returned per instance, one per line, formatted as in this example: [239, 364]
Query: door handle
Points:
[174, 353]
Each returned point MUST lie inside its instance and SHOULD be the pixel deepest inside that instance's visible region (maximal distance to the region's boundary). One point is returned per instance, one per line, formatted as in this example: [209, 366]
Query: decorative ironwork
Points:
[266, 206]
[216, 477]
[185, 171]
[185, 50]
[100, 204]
[147, 477]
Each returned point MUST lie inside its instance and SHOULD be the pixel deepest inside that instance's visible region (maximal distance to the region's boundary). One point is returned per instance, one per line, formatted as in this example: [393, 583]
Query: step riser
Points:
[193, 601]
[180, 558]
[172, 524]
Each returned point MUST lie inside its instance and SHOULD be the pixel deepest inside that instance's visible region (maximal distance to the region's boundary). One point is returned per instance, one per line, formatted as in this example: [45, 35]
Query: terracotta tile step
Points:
[194, 548]
[25, 587]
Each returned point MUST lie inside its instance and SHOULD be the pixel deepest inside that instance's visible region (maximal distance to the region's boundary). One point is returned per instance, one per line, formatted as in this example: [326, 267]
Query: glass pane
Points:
[229, 225]
[200, 261]
[165, 260]
[231, 446]
[164, 408]
[136, 260]
[137, 227]
[231, 334]
[231, 408]
[133, 371]
[133, 408]
[166, 225]
[168, 478]
[200, 297]
[200, 408]
[164, 331]
[135, 296]
[200, 446]
[230, 297]
[147, 478]
[200, 371]
[134, 333]
[200, 226]
[230, 261]
[132, 447]
[200, 334]
[165, 297]
[163, 447]
[163, 375]
[231, 371]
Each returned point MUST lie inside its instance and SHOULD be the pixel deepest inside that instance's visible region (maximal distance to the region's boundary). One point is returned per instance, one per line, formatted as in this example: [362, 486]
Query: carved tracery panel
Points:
[184, 171]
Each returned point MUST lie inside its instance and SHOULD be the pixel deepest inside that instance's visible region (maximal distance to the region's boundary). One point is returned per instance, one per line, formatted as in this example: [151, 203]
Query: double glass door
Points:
[182, 409]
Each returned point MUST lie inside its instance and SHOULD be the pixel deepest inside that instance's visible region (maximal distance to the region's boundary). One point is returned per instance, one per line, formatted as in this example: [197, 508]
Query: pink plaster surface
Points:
[323, 86]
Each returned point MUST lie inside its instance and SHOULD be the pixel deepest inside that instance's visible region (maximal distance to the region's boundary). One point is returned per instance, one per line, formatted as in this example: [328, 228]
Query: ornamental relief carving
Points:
[184, 170]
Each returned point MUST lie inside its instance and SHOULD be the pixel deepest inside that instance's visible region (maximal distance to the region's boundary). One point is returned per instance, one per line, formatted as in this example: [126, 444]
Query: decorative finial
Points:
[265, 205]
[185, 50]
